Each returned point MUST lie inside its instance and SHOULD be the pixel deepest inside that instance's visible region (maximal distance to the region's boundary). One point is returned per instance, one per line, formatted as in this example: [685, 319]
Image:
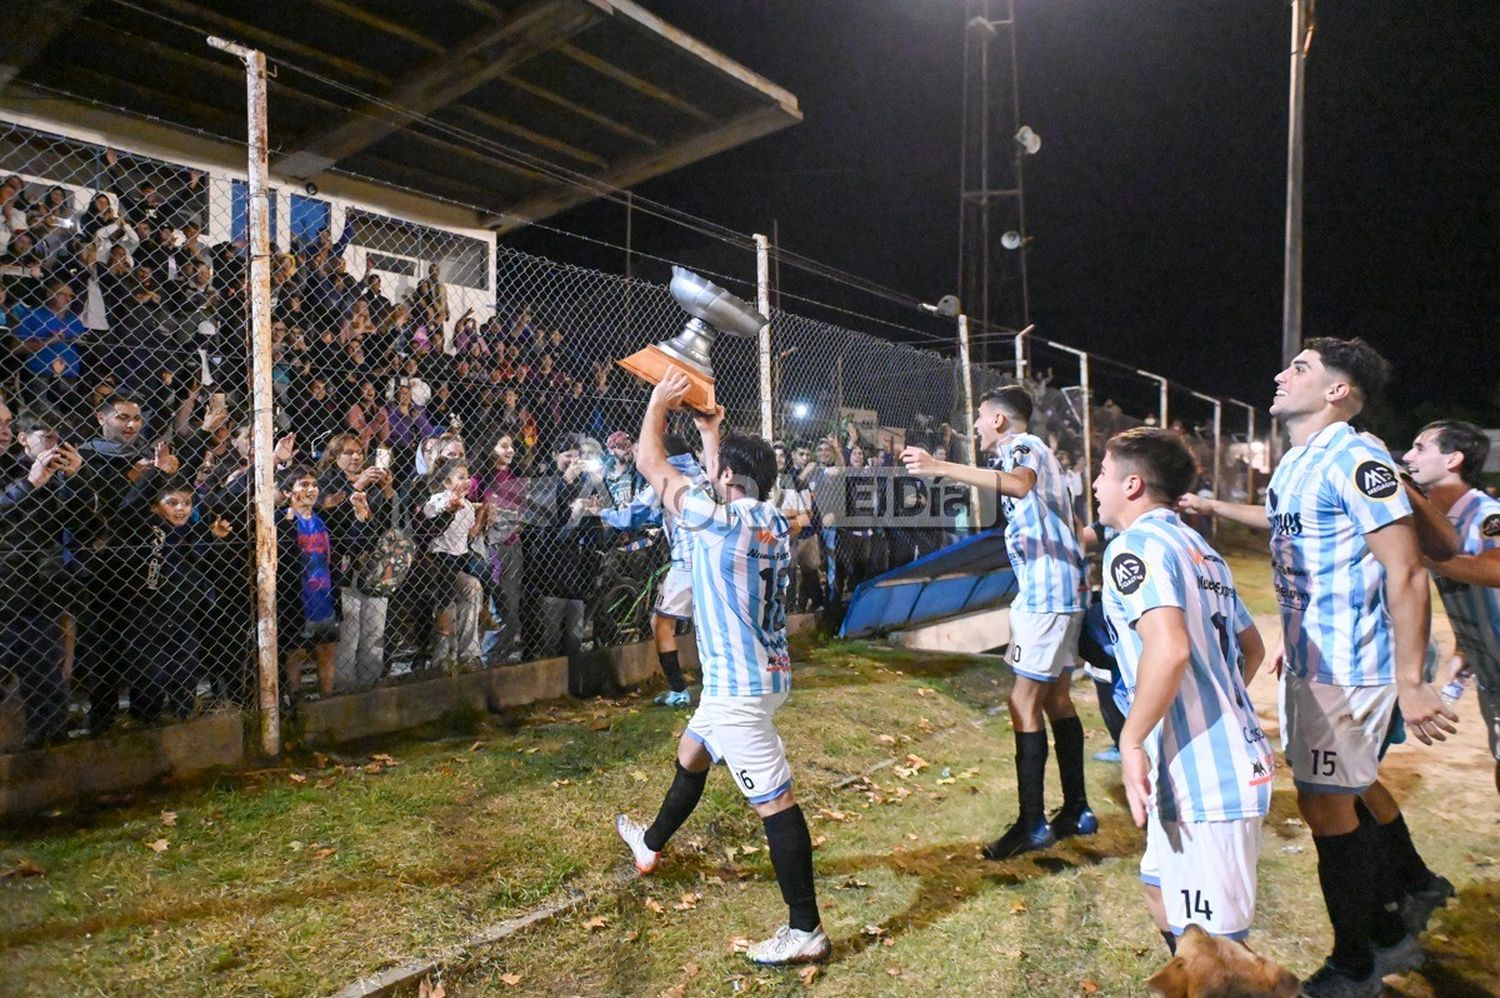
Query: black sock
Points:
[669, 668]
[1031, 773]
[1344, 873]
[1400, 853]
[682, 797]
[1170, 938]
[791, 856]
[1067, 741]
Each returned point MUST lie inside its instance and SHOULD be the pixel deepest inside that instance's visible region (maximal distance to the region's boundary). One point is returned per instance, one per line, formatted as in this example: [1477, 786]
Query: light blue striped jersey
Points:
[741, 558]
[1210, 760]
[1324, 497]
[1039, 535]
[1474, 611]
[645, 510]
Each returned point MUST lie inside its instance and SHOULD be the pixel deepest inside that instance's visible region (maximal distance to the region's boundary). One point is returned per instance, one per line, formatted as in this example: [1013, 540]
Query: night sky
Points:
[1157, 202]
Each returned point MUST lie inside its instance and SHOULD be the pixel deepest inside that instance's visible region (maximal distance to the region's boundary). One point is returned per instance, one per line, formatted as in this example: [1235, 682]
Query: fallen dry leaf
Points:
[808, 973]
[1018, 908]
[320, 760]
[819, 840]
[427, 989]
[638, 776]
[510, 980]
[691, 969]
[886, 739]
[688, 902]
[294, 845]
[1088, 986]
[169, 818]
[630, 936]
[476, 746]
[384, 759]
[749, 850]
[924, 691]
[912, 836]
[325, 783]
[675, 991]
[296, 777]
[739, 944]
[893, 971]
[562, 783]
[324, 853]
[602, 724]
[24, 868]
[874, 930]
[654, 905]
[596, 923]
[373, 767]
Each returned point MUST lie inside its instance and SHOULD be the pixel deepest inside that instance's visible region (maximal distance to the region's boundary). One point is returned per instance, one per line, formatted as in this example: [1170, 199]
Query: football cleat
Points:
[1020, 839]
[674, 698]
[634, 834]
[1074, 821]
[1332, 981]
[1418, 905]
[1110, 754]
[1400, 957]
[791, 945]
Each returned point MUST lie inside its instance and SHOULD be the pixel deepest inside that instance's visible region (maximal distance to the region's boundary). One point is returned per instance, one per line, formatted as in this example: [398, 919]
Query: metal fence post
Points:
[763, 300]
[966, 371]
[1020, 348]
[1088, 434]
[1218, 442]
[263, 445]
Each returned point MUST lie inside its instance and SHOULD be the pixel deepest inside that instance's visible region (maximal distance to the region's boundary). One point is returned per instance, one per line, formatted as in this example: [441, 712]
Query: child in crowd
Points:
[176, 594]
[453, 557]
[308, 618]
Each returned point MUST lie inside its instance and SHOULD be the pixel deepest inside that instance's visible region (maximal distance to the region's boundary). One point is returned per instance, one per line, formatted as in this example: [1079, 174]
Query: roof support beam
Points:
[640, 86]
[509, 127]
[748, 126]
[271, 41]
[535, 27]
[625, 131]
[30, 26]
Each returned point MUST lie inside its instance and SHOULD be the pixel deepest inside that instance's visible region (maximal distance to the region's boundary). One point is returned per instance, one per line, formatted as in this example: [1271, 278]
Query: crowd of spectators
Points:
[439, 476]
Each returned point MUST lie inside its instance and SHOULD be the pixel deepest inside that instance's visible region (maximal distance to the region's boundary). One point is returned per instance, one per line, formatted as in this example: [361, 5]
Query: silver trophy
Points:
[713, 310]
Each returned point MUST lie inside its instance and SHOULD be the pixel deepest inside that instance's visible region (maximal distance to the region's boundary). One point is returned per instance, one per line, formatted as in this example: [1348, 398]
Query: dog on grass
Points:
[1214, 967]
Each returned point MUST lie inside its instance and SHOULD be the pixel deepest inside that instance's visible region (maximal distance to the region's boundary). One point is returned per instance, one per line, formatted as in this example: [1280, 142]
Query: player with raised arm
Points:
[740, 561]
[1045, 617]
[1446, 459]
[1196, 765]
[1346, 563]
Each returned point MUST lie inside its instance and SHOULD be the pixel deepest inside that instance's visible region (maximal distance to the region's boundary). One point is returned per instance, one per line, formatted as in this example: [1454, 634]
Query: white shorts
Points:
[1043, 646]
[675, 597]
[1332, 734]
[1206, 872]
[738, 731]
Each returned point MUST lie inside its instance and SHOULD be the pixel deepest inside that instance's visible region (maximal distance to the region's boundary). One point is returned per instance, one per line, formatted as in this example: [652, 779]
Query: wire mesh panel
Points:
[845, 406]
[123, 452]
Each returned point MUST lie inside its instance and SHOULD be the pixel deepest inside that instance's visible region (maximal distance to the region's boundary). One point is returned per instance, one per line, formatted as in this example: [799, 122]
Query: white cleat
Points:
[634, 834]
[791, 945]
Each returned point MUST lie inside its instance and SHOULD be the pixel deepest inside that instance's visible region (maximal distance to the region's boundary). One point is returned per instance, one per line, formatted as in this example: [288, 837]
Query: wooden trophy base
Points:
[653, 363]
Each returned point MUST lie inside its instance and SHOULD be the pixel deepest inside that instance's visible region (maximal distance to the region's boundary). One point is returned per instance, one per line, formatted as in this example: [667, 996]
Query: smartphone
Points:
[218, 402]
[383, 458]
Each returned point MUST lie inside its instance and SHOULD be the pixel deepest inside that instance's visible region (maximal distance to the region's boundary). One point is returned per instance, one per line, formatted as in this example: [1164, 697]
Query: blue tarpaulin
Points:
[972, 574]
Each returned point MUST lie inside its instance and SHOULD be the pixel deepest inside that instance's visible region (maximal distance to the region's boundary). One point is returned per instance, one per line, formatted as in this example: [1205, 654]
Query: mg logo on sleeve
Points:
[1376, 480]
[1127, 572]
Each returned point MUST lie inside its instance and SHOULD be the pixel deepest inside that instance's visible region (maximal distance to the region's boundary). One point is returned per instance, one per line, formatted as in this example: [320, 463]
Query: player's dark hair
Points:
[1013, 400]
[1356, 360]
[752, 462]
[677, 445]
[1157, 455]
[1468, 440]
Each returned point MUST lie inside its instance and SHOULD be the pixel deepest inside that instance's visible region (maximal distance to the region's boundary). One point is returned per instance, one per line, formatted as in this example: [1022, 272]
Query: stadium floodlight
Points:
[1012, 240]
[1029, 141]
[947, 306]
[800, 410]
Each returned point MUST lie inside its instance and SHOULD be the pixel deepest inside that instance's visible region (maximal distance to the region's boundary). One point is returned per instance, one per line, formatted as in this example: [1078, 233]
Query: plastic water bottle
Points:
[1451, 692]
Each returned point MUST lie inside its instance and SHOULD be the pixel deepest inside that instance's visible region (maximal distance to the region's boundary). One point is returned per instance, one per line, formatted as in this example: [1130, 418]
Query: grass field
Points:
[299, 879]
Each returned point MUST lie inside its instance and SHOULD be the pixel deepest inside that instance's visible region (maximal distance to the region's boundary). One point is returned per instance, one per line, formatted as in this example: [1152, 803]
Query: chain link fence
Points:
[123, 522]
[456, 488]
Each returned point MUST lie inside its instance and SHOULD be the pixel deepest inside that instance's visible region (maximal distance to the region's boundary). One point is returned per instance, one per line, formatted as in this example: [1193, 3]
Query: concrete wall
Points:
[31, 782]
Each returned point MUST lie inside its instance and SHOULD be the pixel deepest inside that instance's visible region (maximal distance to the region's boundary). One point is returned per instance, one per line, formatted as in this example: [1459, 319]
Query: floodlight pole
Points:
[763, 301]
[263, 447]
[1291, 301]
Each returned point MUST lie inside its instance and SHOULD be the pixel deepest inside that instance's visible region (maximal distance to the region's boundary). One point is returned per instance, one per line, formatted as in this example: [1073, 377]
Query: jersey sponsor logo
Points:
[1215, 586]
[1286, 524]
[1020, 450]
[1290, 597]
[1127, 572]
[1375, 480]
[1491, 526]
